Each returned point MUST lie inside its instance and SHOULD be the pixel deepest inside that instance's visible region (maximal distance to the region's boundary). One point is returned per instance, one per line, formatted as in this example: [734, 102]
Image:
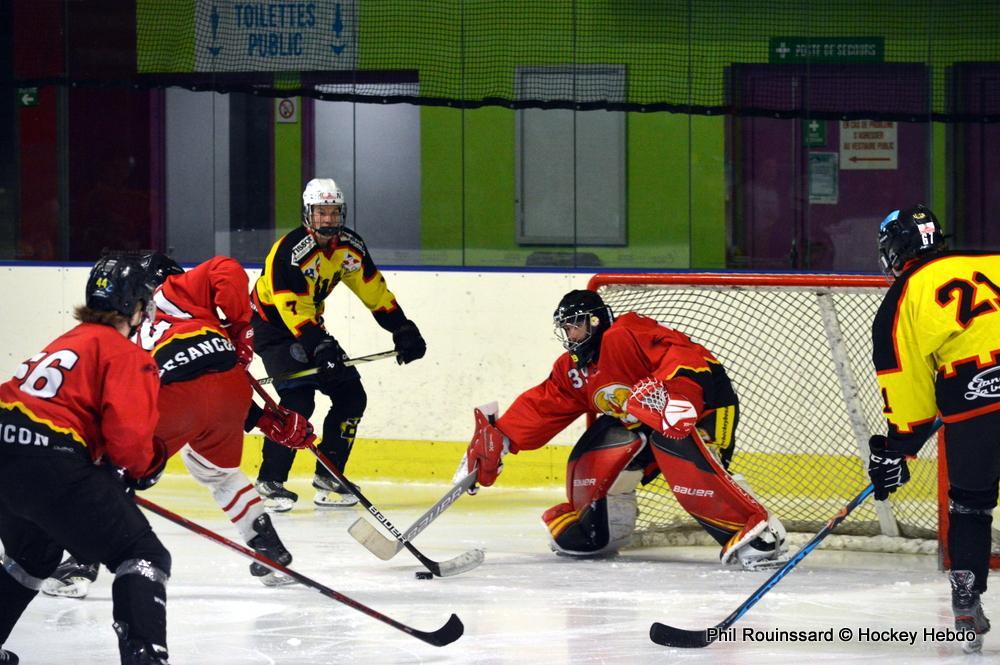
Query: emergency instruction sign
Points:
[868, 144]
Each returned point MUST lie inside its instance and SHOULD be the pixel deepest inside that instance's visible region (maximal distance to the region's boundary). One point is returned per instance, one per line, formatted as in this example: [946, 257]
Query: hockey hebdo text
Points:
[858, 634]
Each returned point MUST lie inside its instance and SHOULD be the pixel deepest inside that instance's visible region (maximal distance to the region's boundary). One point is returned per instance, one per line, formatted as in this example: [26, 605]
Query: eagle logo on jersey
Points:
[610, 399]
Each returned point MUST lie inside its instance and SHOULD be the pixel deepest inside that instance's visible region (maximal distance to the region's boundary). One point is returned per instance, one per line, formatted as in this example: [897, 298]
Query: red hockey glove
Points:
[241, 335]
[486, 450]
[286, 427]
[672, 412]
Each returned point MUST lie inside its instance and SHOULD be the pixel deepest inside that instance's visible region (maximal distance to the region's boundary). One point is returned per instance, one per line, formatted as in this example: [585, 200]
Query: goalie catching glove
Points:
[671, 408]
[484, 456]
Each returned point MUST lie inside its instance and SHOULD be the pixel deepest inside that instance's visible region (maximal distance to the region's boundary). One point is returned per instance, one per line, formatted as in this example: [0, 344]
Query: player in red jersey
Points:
[204, 400]
[663, 404]
[76, 421]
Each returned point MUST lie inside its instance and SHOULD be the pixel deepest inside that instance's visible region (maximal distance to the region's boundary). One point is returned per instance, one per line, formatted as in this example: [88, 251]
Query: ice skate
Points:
[331, 494]
[967, 608]
[277, 499]
[267, 543]
[70, 580]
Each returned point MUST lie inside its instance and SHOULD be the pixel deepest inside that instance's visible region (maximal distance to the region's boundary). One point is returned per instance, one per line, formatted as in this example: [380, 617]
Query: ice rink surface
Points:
[523, 605]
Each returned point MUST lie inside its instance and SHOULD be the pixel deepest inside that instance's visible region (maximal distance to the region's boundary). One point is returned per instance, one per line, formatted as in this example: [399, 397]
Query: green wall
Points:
[675, 52]
[467, 166]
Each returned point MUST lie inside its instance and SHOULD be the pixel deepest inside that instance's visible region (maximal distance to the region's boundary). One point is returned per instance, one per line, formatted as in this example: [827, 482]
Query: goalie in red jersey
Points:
[663, 404]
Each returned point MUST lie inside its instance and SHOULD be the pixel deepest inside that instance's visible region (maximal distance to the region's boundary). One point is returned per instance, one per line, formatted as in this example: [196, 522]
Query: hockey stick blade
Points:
[669, 636]
[350, 362]
[459, 564]
[446, 634]
[384, 548]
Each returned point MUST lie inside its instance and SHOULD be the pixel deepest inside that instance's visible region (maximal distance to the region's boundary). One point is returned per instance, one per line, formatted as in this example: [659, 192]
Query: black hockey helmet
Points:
[907, 234]
[116, 284]
[160, 266]
[582, 307]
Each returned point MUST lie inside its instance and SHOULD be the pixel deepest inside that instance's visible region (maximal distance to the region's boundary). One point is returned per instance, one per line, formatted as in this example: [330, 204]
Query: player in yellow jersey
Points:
[300, 271]
[937, 355]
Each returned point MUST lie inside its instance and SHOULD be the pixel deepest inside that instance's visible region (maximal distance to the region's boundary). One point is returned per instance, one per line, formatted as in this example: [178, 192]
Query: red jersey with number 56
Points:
[90, 391]
[632, 348]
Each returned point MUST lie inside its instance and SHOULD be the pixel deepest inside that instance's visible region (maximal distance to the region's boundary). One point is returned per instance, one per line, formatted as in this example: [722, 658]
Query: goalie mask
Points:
[323, 192]
[905, 235]
[116, 284]
[580, 321]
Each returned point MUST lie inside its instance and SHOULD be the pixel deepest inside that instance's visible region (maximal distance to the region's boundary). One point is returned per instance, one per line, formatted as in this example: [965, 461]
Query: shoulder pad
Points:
[352, 238]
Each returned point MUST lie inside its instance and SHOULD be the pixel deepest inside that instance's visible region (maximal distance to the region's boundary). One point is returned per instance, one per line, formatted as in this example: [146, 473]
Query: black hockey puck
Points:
[423, 575]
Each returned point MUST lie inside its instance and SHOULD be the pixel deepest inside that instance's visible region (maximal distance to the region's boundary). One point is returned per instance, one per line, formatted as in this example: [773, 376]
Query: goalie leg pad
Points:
[600, 515]
[726, 510]
[598, 458]
[231, 489]
[601, 528]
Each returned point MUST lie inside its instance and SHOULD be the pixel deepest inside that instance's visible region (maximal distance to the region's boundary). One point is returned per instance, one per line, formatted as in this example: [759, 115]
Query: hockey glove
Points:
[409, 343]
[286, 427]
[673, 412]
[486, 450]
[241, 335]
[150, 478]
[330, 365]
[887, 468]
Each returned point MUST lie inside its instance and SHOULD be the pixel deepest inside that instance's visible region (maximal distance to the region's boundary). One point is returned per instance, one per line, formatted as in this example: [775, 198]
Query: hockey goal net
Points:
[798, 349]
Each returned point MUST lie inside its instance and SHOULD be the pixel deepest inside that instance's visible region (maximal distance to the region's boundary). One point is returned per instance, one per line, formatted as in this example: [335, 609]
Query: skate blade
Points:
[273, 579]
[74, 587]
[278, 505]
[334, 500]
[973, 646]
[765, 565]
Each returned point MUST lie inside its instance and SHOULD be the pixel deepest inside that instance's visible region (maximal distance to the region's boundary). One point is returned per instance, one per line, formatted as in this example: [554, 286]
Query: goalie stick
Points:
[350, 362]
[446, 634]
[384, 548]
[670, 636]
[459, 564]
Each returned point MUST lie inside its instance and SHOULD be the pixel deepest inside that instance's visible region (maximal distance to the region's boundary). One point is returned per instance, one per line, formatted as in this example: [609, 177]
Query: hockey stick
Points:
[455, 566]
[350, 362]
[384, 548]
[446, 634]
[460, 564]
[695, 639]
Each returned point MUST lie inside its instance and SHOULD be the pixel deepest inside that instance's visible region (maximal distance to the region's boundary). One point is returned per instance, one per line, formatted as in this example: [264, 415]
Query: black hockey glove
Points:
[887, 468]
[330, 365]
[409, 343]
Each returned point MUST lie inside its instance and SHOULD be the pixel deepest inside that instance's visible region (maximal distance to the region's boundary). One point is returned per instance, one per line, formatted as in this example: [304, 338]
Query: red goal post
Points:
[798, 349]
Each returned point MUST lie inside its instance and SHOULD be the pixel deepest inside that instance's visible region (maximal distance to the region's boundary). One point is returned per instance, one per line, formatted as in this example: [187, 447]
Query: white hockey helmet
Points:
[322, 191]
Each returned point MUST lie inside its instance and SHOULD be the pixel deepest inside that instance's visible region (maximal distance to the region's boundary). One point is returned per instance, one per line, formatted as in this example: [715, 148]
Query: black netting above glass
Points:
[692, 56]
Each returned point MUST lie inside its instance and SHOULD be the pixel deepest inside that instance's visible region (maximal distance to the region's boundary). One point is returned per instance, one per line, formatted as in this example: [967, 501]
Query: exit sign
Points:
[833, 50]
